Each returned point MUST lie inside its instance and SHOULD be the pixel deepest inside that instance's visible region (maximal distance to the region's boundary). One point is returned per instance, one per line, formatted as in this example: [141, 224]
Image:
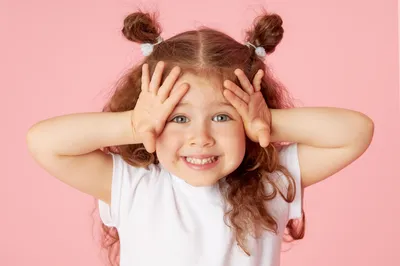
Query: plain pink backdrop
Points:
[59, 57]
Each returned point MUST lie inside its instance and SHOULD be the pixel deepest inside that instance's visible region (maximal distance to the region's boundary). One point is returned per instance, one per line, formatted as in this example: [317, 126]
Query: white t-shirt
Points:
[162, 220]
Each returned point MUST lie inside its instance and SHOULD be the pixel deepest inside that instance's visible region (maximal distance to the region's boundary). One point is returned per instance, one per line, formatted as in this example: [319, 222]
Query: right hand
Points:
[155, 104]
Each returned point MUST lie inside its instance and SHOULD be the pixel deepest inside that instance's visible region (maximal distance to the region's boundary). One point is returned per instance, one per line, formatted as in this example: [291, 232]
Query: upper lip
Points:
[201, 156]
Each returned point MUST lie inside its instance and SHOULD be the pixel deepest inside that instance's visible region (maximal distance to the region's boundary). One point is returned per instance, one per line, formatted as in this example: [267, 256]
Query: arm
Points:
[328, 139]
[68, 146]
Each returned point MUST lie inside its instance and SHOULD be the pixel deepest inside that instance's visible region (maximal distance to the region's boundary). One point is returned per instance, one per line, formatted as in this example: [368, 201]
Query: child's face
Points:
[203, 124]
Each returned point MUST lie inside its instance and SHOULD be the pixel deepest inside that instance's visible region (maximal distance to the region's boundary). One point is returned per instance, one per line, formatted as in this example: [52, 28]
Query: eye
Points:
[221, 118]
[180, 119]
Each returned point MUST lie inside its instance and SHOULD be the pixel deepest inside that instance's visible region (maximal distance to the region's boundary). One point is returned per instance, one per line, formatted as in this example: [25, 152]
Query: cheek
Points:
[234, 139]
[235, 132]
[234, 145]
[167, 141]
[241, 142]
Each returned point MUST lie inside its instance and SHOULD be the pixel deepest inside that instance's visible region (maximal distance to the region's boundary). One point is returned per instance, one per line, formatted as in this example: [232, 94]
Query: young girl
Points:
[187, 160]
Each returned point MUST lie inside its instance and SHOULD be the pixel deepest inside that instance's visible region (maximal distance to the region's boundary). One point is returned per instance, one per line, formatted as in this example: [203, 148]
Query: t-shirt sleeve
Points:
[288, 157]
[125, 180]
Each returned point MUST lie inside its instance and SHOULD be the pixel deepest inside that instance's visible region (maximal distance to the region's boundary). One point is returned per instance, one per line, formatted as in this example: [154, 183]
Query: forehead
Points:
[202, 89]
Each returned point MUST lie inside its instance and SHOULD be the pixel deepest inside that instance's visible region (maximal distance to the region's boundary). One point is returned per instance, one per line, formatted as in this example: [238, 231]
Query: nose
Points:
[201, 137]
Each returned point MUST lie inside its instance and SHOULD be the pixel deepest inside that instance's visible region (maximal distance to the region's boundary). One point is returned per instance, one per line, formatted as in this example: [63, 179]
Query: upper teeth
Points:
[200, 161]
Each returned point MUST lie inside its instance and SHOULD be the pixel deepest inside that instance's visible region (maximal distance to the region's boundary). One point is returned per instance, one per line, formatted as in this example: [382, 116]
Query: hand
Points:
[251, 105]
[155, 104]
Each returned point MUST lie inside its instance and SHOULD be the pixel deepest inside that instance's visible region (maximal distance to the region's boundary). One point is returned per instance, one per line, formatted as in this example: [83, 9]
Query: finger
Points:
[149, 142]
[244, 81]
[171, 102]
[156, 78]
[257, 80]
[145, 77]
[236, 90]
[168, 84]
[236, 102]
[263, 138]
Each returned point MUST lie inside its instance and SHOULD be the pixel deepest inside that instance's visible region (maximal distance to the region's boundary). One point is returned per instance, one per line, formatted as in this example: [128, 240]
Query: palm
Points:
[258, 116]
[251, 105]
[155, 103]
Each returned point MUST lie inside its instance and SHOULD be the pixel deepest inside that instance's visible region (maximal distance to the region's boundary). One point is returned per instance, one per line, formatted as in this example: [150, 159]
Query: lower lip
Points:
[201, 166]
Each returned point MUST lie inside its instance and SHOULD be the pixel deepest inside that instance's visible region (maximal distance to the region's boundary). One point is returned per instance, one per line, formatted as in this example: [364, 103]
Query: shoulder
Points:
[288, 158]
[125, 170]
[133, 180]
[132, 187]
[288, 155]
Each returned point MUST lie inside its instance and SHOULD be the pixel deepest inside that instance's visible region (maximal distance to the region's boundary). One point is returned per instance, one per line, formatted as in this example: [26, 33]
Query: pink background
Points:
[59, 57]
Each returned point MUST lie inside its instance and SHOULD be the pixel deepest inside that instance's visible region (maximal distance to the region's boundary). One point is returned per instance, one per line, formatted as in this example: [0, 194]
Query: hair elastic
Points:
[147, 48]
[260, 51]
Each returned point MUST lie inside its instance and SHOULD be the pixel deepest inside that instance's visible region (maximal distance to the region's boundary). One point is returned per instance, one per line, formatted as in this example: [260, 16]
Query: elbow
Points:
[34, 139]
[366, 132]
[369, 128]
[31, 139]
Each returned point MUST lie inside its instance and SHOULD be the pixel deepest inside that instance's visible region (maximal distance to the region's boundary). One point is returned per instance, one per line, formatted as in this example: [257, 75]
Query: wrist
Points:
[274, 135]
[132, 135]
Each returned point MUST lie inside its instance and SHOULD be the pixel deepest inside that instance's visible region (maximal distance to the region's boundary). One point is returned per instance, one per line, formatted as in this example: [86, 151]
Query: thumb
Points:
[149, 141]
[263, 137]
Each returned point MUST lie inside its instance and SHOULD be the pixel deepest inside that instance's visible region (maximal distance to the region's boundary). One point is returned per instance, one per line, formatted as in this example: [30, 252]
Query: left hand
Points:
[251, 106]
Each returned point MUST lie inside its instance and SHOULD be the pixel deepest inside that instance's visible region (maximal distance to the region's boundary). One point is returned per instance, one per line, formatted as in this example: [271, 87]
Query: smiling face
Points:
[203, 139]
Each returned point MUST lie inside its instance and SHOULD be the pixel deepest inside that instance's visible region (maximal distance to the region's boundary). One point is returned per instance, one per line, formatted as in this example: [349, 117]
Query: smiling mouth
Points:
[201, 161]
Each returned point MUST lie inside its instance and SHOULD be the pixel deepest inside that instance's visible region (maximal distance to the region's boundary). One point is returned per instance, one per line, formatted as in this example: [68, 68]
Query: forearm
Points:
[323, 127]
[81, 133]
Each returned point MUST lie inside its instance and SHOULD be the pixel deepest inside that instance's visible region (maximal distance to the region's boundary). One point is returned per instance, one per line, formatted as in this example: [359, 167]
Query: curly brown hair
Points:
[206, 51]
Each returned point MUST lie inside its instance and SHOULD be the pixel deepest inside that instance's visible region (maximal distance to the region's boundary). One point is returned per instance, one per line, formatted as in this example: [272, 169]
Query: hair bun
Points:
[267, 32]
[141, 27]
